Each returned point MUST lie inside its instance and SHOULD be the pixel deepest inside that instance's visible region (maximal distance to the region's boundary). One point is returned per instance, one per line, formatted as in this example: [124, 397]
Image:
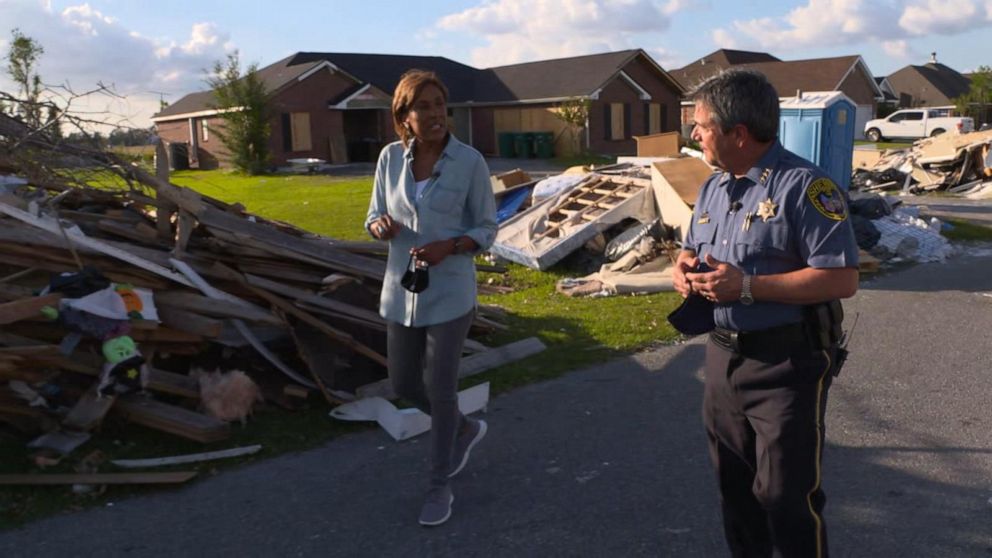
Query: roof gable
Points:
[699, 70]
[787, 76]
[577, 76]
[942, 79]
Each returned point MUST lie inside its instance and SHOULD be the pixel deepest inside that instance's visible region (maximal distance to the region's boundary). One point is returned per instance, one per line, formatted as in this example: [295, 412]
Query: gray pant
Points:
[423, 367]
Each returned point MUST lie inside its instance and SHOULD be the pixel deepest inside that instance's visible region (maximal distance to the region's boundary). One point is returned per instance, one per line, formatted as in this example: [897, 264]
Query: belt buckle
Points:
[735, 341]
[727, 339]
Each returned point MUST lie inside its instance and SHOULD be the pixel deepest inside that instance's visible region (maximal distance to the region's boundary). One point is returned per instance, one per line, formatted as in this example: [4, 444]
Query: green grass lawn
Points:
[336, 207]
[967, 231]
[578, 333]
[332, 207]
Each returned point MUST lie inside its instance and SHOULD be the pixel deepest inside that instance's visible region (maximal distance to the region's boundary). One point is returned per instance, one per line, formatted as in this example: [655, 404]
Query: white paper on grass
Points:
[402, 424]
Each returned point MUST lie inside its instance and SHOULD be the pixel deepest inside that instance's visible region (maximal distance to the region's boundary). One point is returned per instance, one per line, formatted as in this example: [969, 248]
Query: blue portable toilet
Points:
[819, 126]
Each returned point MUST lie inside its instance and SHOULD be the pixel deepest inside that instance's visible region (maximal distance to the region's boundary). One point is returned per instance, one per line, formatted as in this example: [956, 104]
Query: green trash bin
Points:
[544, 145]
[506, 140]
[523, 144]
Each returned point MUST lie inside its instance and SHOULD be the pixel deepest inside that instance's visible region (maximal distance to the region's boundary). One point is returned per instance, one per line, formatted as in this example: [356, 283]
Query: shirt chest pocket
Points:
[446, 199]
[764, 248]
[703, 235]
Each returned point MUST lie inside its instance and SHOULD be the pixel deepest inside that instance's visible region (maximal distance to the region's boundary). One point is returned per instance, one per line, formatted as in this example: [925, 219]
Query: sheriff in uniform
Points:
[772, 247]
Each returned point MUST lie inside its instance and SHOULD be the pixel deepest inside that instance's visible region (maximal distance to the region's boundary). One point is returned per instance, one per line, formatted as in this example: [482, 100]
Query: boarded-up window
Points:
[206, 130]
[617, 121]
[654, 118]
[300, 125]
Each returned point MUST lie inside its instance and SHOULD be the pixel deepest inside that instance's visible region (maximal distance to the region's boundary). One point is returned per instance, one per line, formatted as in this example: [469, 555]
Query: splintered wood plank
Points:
[189, 458]
[163, 381]
[316, 354]
[253, 340]
[283, 273]
[174, 477]
[263, 235]
[169, 418]
[165, 335]
[89, 411]
[164, 208]
[184, 230]
[190, 322]
[498, 356]
[10, 291]
[311, 298]
[614, 193]
[289, 309]
[51, 225]
[25, 308]
[214, 307]
[130, 231]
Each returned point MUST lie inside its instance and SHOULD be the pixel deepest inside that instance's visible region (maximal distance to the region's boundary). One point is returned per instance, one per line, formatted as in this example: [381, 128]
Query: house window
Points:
[653, 118]
[617, 121]
[301, 131]
[296, 131]
[206, 130]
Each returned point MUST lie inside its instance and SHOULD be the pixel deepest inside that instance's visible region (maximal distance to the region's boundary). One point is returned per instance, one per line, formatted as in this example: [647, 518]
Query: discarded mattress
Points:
[553, 228]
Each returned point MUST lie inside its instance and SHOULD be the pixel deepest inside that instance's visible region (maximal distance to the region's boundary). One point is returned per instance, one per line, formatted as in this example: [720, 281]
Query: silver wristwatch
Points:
[746, 297]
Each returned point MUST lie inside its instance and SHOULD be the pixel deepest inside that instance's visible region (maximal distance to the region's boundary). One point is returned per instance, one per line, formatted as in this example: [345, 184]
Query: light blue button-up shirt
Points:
[458, 200]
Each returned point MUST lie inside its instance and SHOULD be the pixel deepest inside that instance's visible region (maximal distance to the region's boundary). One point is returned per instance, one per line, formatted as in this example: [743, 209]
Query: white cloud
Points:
[898, 49]
[941, 16]
[818, 23]
[84, 46]
[523, 30]
[665, 58]
[846, 22]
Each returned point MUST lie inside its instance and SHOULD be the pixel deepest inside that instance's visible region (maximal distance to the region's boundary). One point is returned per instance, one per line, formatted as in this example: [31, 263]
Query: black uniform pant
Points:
[763, 412]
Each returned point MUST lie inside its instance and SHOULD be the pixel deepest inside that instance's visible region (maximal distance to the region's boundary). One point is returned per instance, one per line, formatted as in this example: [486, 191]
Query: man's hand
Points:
[434, 252]
[722, 284]
[686, 262]
[385, 228]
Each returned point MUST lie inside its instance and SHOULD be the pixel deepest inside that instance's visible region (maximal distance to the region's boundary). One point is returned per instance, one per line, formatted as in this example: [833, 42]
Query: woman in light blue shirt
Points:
[432, 201]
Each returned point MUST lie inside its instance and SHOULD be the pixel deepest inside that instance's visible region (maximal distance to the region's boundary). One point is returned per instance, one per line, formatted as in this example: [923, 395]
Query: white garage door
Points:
[862, 114]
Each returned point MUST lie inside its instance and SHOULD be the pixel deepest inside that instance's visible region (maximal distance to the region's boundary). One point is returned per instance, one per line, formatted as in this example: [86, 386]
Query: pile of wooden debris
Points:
[194, 282]
[959, 163]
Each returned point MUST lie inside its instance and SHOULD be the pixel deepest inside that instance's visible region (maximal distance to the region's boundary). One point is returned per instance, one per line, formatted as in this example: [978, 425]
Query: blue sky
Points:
[142, 47]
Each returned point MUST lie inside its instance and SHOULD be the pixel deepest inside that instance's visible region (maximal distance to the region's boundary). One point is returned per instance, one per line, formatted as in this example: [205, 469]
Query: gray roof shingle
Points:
[545, 79]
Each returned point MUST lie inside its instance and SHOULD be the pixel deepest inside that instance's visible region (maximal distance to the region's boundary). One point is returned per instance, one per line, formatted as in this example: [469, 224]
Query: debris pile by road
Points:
[151, 303]
[957, 163]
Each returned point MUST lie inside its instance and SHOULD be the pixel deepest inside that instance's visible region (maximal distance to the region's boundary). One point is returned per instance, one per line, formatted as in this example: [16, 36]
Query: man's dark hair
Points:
[741, 97]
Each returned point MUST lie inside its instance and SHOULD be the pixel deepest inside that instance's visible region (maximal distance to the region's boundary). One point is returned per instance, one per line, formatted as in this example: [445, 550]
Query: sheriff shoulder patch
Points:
[827, 198]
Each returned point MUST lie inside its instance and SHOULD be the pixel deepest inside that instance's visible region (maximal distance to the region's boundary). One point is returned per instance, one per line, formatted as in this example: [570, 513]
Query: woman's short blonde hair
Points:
[411, 84]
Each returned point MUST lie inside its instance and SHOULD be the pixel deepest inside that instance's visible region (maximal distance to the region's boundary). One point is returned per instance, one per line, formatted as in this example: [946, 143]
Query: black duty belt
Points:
[776, 339]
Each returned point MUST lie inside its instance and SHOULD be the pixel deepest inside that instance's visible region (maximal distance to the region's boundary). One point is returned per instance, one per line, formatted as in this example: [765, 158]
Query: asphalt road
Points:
[611, 461]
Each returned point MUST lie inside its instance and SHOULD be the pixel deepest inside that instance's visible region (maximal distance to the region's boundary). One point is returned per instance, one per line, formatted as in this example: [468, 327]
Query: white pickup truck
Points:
[916, 123]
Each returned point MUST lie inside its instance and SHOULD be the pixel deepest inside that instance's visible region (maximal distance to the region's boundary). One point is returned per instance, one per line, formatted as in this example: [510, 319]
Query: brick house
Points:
[847, 74]
[930, 85]
[336, 107]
